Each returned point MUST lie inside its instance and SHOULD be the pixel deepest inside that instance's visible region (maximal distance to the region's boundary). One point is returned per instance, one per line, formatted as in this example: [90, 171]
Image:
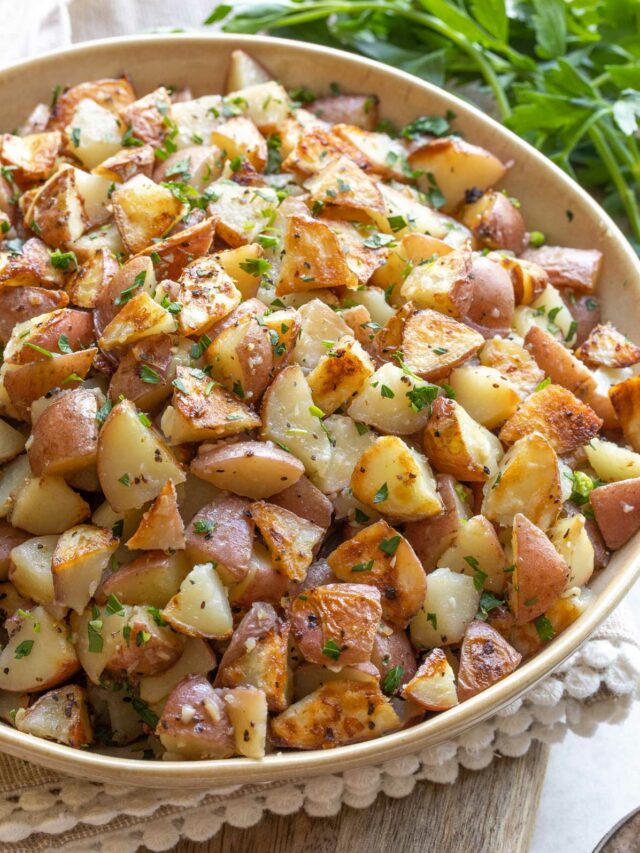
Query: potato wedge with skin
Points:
[566, 422]
[485, 658]
[143, 210]
[342, 184]
[400, 410]
[61, 715]
[550, 312]
[526, 639]
[616, 507]
[305, 149]
[242, 356]
[456, 444]
[348, 443]
[625, 398]
[433, 687]
[136, 276]
[528, 482]
[513, 362]
[434, 344]
[309, 677]
[394, 479]
[318, 323]
[337, 713]
[336, 624]
[33, 266]
[575, 268]
[431, 537]
[234, 261]
[495, 222]
[444, 285]
[255, 469]
[12, 478]
[247, 710]
[485, 394]
[476, 551]
[394, 569]
[202, 409]
[81, 555]
[306, 501]
[207, 295]
[185, 611]
[239, 137]
[540, 574]
[57, 209]
[240, 213]
[141, 317]
[262, 583]
[126, 164]
[111, 93]
[392, 649]
[290, 538]
[144, 117]
[146, 371]
[571, 539]
[222, 532]
[45, 505]
[39, 653]
[161, 527]
[90, 278]
[32, 157]
[340, 374]
[492, 300]
[195, 723]
[381, 153]
[18, 304]
[44, 332]
[612, 462]
[178, 250]
[127, 447]
[312, 258]
[151, 579]
[287, 420]
[450, 604]
[197, 659]
[257, 656]
[30, 568]
[361, 253]
[607, 347]
[65, 436]
[10, 538]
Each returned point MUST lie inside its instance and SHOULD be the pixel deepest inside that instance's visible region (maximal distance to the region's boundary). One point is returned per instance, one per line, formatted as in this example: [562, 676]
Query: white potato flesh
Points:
[60, 715]
[94, 192]
[47, 505]
[485, 394]
[81, 555]
[392, 414]
[185, 611]
[419, 217]
[450, 605]
[476, 551]
[245, 71]
[247, 710]
[97, 132]
[39, 654]
[12, 478]
[287, 420]
[196, 119]
[196, 659]
[241, 212]
[571, 540]
[140, 318]
[133, 462]
[611, 462]
[560, 324]
[111, 624]
[348, 444]
[30, 571]
[12, 442]
[374, 301]
[267, 104]
[10, 703]
[318, 323]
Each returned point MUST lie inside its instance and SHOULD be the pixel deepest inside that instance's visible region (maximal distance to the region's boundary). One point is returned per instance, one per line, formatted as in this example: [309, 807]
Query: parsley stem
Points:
[628, 198]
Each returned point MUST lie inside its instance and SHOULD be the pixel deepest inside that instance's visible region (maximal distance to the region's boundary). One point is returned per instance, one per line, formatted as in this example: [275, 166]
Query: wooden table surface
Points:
[488, 811]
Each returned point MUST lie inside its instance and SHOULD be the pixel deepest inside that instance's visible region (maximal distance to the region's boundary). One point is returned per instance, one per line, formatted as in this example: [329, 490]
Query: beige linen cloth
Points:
[44, 811]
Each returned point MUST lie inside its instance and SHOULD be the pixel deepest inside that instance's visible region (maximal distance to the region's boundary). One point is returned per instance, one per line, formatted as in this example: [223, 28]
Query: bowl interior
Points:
[550, 201]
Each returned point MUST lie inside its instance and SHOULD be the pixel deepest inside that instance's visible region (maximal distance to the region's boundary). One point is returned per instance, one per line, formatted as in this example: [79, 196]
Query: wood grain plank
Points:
[489, 810]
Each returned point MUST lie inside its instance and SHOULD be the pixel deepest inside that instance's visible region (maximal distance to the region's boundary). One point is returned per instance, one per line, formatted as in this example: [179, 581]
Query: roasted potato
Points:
[571, 539]
[18, 304]
[495, 222]
[476, 551]
[431, 537]
[222, 532]
[143, 210]
[616, 507]
[339, 375]
[401, 409]
[44, 505]
[185, 611]
[540, 574]
[485, 658]
[30, 568]
[492, 299]
[61, 715]
[450, 604]
[306, 501]
[444, 285]
[65, 436]
[241, 357]
[513, 363]
[197, 658]
[487, 396]
[290, 538]
[152, 578]
[433, 686]
[434, 344]
[625, 397]
[161, 527]
[612, 462]
[575, 268]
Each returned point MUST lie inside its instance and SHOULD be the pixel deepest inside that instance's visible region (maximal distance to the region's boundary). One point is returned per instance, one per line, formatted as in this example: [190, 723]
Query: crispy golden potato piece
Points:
[625, 398]
[433, 344]
[456, 166]
[433, 686]
[476, 551]
[126, 164]
[151, 579]
[342, 184]
[336, 624]
[239, 137]
[174, 253]
[161, 527]
[528, 481]
[339, 712]
[380, 556]
[431, 537]
[202, 409]
[222, 532]
[513, 362]
[65, 436]
[575, 268]
[207, 294]
[143, 210]
[312, 258]
[257, 656]
[241, 212]
[52, 659]
[61, 715]
[444, 285]
[382, 154]
[565, 421]
[318, 323]
[540, 574]
[607, 347]
[528, 279]
[242, 358]
[81, 555]
[204, 730]
[140, 317]
[111, 93]
[86, 283]
[485, 658]
[57, 211]
[526, 639]
[30, 158]
[256, 469]
[495, 222]
[290, 539]
[185, 612]
[456, 444]
[616, 507]
[134, 277]
[311, 148]
[145, 372]
[339, 375]
[143, 118]
[363, 258]
[32, 266]
[394, 479]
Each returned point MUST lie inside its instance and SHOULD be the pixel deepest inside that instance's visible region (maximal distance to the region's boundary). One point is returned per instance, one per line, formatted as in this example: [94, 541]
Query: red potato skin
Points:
[18, 304]
[616, 507]
[540, 572]
[180, 249]
[209, 458]
[395, 649]
[155, 352]
[585, 310]
[31, 381]
[230, 543]
[65, 437]
[485, 658]
[431, 538]
[259, 621]
[137, 658]
[358, 110]
[266, 585]
[492, 300]
[76, 325]
[201, 735]
[307, 501]
[319, 573]
[601, 554]
[566, 267]
[106, 308]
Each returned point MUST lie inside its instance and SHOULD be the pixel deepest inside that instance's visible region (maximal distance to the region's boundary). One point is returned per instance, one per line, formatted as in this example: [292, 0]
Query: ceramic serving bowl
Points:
[551, 202]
